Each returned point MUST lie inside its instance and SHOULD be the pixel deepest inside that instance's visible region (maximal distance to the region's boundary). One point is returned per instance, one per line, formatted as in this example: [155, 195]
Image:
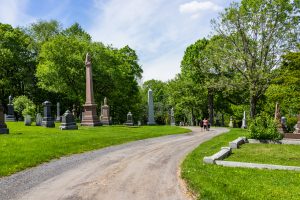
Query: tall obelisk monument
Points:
[89, 116]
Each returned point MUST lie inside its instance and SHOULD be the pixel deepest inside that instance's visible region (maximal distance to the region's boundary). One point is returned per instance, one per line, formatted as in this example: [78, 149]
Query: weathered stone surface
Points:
[105, 117]
[10, 117]
[3, 126]
[297, 128]
[47, 119]
[38, 119]
[150, 108]
[223, 153]
[172, 117]
[27, 120]
[231, 122]
[89, 116]
[244, 122]
[68, 122]
[237, 142]
[129, 121]
[58, 118]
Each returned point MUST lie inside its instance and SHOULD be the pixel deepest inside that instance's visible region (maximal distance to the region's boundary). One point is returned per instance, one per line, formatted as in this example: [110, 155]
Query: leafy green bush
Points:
[290, 123]
[24, 106]
[264, 127]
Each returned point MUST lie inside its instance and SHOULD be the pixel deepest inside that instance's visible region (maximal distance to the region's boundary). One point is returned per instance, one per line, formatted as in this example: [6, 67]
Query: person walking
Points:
[205, 124]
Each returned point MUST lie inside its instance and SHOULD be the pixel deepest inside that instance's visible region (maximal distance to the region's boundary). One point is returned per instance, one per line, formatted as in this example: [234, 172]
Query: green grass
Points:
[277, 154]
[28, 146]
[218, 182]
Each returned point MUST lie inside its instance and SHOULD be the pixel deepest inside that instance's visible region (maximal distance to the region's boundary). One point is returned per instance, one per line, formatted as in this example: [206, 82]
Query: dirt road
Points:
[141, 170]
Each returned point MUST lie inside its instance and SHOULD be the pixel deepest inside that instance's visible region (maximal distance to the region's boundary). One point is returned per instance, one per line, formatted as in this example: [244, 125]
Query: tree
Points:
[257, 33]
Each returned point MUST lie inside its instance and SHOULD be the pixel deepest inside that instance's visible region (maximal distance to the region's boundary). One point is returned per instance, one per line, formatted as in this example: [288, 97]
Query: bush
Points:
[264, 128]
[24, 106]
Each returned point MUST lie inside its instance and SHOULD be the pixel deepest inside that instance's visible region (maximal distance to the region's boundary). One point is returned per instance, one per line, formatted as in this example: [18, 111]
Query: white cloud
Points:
[196, 6]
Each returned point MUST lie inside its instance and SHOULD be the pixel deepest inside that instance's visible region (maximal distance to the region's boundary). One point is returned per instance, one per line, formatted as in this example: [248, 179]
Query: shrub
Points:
[264, 128]
[24, 106]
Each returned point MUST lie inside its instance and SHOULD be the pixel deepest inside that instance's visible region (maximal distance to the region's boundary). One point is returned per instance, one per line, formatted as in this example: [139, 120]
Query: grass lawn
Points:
[277, 154]
[218, 182]
[28, 146]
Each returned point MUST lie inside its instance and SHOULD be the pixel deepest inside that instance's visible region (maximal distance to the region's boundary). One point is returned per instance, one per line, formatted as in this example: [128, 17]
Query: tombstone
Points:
[297, 127]
[74, 111]
[68, 122]
[172, 117]
[150, 108]
[3, 126]
[231, 122]
[105, 118]
[58, 112]
[89, 115]
[278, 118]
[129, 121]
[10, 117]
[139, 123]
[27, 120]
[48, 120]
[244, 122]
[283, 122]
[38, 119]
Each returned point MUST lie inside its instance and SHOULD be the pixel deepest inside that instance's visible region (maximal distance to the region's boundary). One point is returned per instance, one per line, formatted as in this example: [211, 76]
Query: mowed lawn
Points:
[28, 146]
[225, 183]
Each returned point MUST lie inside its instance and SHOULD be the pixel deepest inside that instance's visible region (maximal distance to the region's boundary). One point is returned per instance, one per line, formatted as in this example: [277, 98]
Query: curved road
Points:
[145, 169]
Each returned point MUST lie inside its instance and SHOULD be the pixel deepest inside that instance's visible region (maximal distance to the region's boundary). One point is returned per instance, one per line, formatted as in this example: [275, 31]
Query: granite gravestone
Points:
[105, 118]
[47, 119]
[150, 108]
[58, 112]
[244, 122]
[89, 116]
[38, 119]
[3, 126]
[27, 120]
[10, 117]
[172, 117]
[129, 121]
[68, 122]
[231, 122]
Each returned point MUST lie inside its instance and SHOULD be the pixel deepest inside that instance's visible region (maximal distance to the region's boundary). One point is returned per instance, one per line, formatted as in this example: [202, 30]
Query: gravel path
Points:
[145, 169]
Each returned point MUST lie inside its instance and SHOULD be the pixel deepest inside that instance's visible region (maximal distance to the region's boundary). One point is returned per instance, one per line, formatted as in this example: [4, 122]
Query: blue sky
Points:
[159, 30]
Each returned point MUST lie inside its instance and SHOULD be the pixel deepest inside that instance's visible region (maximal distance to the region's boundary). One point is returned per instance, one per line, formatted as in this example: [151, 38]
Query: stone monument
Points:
[129, 121]
[3, 126]
[297, 128]
[172, 117]
[89, 116]
[105, 118]
[68, 122]
[244, 122]
[47, 119]
[10, 117]
[231, 122]
[150, 108]
[27, 120]
[74, 111]
[38, 119]
[58, 112]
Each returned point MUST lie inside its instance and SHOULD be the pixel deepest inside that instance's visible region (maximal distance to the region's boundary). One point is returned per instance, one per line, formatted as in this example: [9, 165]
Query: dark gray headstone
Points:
[129, 121]
[3, 126]
[68, 121]
[10, 117]
[47, 119]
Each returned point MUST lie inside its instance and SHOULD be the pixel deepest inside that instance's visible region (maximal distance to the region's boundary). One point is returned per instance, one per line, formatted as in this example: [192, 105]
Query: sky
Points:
[158, 30]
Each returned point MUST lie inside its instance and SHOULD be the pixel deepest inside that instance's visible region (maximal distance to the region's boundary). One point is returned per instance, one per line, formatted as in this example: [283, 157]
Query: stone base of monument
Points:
[89, 116]
[292, 135]
[10, 118]
[4, 131]
[69, 126]
[151, 123]
[48, 123]
[105, 121]
[129, 124]
[173, 124]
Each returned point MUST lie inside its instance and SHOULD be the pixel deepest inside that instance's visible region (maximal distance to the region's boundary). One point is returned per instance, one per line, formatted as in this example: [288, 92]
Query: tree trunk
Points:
[253, 102]
[211, 106]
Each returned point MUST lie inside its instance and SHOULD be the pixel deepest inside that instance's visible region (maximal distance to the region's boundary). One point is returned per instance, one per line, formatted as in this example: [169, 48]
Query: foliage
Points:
[56, 143]
[264, 128]
[24, 106]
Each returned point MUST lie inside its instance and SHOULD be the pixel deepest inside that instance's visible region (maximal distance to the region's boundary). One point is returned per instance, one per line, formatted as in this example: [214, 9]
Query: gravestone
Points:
[283, 122]
[3, 126]
[10, 117]
[244, 122]
[105, 118]
[58, 112]
[47, 119]
[129, 121]
[89, 115]
[139, 123]
[68, 122]
[231, 122]
[27, 120]
[297, 128]
[172, 117]
[74, 111]
[38, 119]
[150, 108]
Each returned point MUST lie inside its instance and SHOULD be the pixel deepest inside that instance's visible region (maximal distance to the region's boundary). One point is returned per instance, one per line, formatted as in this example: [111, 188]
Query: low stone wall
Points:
[223, 153]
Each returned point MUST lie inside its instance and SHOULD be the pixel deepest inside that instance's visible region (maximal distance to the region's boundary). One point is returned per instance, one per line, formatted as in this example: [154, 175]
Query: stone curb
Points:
[283, 141]
[255, 165]
[223, 153]
[237, 142]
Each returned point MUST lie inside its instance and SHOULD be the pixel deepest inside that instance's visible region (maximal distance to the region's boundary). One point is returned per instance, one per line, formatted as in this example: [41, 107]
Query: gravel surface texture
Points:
[145, 169]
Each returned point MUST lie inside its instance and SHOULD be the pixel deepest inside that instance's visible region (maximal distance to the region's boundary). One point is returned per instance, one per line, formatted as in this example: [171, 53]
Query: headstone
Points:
[105, 118]
[150, 108]
[58, 112]
[47, 119]
[68, 122]
[74, 111]
[89, 115]
[231, 122]
[297, 128]
[172, 117]
[129, 121]
[244, 122]
[27, 120]
[3, 126]
[278, 118]
[10, 117]
[283, 122]
[139, 123]
[38, 119]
